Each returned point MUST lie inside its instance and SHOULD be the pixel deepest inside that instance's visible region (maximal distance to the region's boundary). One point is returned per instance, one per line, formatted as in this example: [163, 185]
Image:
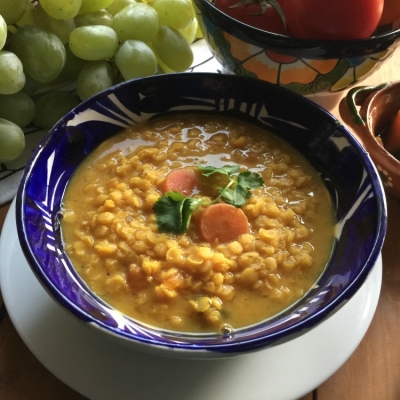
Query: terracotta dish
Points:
[369, 110]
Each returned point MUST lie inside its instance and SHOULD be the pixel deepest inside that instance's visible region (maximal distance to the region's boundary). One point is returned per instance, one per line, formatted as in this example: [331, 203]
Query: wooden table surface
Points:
[371, 373]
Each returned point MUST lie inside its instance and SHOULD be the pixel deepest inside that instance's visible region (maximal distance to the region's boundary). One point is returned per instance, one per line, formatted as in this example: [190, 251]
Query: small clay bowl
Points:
[369, 111]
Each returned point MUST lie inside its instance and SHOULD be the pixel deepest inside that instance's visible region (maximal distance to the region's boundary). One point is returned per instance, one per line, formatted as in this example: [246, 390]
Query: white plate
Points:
[102, 369]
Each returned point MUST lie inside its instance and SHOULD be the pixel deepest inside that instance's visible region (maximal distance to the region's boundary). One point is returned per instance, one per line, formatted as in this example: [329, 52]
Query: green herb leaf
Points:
[188, 208]
[225, 170]
[246, 181]
[250, 180]
[173, 212]
[236, 196]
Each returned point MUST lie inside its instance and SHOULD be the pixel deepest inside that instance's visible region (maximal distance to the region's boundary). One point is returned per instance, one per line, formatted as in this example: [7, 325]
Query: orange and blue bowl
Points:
[307, 67]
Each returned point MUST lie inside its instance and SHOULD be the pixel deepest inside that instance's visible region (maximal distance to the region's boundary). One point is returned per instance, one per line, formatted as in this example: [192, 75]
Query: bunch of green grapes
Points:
[49, 46]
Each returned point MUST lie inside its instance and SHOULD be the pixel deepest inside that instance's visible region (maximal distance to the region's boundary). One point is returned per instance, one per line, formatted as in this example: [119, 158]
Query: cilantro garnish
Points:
[246, 181]
[225, 170]
[174, 210]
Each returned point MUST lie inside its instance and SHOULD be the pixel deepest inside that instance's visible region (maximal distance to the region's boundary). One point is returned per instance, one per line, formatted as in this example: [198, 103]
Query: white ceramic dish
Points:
[101, 369]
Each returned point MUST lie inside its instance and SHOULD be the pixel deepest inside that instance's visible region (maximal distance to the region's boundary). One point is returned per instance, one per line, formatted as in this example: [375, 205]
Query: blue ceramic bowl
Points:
[345, 167]
[307, 67]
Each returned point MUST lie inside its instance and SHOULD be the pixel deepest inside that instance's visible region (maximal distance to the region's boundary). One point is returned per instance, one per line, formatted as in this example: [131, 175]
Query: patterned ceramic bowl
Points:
[345, 167]
[307, 67]
[369, 110]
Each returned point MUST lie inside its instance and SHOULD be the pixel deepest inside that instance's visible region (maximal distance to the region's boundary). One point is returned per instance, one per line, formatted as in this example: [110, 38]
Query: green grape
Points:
[61, 9]
[199, 33]
[172, 49]
[3, 32]
[12, 77]
[41, 52]
[94, 77]
[12, 140]
[94, 5]
[94, 43]
[52, 106]
[163, 69]
[135, 59]
[31, 86]
[137, 21]
[61, 28]
[118, 5]
[18, 108]
[189, 33]
[13, 10]
[35, 88]
[177, 14]
[73, 66]
[35, 16]
[9, 35]
[102, 17]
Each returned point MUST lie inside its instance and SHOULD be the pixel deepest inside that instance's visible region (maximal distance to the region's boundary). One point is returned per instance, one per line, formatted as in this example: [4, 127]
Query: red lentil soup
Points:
[182, 281]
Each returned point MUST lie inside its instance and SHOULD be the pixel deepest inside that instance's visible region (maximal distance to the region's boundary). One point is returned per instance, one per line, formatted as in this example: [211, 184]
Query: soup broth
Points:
[182, 281]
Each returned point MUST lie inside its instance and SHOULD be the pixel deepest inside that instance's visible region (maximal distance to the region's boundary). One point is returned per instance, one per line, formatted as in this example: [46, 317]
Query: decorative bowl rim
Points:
[314, 319]
[336, 48]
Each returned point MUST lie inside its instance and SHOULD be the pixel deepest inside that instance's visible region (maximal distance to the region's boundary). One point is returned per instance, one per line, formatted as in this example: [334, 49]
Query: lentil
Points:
[180, 282]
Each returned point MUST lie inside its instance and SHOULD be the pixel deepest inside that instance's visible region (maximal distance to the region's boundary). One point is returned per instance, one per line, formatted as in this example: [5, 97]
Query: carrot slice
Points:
[179, 180]
[222, 223]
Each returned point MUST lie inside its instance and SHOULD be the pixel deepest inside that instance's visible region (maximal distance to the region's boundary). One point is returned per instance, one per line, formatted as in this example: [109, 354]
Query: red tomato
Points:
[252, 14]
[391, 12]
[332, 19]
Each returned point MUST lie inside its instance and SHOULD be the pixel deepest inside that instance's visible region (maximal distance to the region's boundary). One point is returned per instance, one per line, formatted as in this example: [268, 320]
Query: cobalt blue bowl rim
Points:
[315, 48]
[220, 348]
